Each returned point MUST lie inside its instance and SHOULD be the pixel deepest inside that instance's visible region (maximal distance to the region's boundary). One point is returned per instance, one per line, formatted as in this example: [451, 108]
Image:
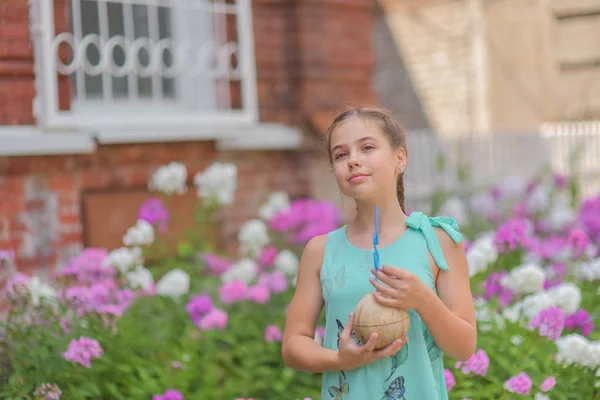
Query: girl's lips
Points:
[357, 178]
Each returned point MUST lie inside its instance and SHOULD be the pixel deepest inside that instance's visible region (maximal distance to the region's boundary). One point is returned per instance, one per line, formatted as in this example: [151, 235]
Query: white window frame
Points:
[155, 114]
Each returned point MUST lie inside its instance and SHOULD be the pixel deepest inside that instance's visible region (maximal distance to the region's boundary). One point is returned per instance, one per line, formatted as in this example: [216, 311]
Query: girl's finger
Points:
[386, 301]
[388, 291]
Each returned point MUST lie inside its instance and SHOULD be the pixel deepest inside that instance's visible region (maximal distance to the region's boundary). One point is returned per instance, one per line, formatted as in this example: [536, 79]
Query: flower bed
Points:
[208, 326]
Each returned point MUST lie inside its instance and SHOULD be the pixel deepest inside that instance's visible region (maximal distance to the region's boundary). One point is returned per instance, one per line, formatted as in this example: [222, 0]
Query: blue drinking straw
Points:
[376, 242]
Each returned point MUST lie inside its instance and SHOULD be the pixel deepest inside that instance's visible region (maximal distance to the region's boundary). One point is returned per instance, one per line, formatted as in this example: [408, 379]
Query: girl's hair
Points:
[389, 126]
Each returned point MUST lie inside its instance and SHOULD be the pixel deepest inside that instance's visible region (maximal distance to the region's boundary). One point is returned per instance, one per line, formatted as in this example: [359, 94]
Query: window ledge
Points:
[31, 141]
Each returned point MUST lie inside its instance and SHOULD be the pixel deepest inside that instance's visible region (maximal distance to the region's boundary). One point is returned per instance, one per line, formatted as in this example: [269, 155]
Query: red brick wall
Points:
[312, 56]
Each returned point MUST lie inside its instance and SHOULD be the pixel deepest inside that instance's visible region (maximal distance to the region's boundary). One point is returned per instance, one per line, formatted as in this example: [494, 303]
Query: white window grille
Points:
[144, 63]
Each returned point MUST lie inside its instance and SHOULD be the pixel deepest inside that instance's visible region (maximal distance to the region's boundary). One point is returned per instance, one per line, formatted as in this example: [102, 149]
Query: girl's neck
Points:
[391, 217]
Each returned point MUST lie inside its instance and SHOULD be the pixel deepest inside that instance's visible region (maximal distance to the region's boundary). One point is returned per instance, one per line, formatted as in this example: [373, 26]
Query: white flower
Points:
[40, 290]
[218, 182]
[539, 199]
[278, 201]
[481, 253]
[244, 270]
[287, 262]
[513, 188]
[141, 234]
[527, 278]
[169, 179]
[561, 214]
[253, 236]
[455, 208]
[541, 396]
[483, 203]
[516, 340]
[124, 258]
[575, 349]
[175, 283]
[567, 296]
[586, 270]
[140, 277]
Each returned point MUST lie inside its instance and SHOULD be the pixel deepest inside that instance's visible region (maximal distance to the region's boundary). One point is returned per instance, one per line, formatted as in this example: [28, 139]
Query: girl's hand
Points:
[404, 289]
[352, 355]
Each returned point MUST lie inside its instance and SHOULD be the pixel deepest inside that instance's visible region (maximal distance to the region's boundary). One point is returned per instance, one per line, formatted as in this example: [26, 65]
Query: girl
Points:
[423, 270]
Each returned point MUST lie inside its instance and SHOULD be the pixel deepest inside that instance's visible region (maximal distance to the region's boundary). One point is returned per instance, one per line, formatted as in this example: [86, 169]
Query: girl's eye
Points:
[339, 155]
[368, 147]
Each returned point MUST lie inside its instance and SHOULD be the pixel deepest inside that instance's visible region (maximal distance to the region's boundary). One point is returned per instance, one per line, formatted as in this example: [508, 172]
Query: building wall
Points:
[312, 57]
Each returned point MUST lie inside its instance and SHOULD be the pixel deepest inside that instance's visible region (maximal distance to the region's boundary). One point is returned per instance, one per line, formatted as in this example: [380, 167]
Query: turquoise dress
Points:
[416, 372]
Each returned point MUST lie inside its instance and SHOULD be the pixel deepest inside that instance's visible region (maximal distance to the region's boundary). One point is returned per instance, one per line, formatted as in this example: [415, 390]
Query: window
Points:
[158, 60]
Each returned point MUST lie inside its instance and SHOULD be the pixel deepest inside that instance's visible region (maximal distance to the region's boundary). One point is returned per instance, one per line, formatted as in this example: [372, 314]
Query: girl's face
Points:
[364, 163]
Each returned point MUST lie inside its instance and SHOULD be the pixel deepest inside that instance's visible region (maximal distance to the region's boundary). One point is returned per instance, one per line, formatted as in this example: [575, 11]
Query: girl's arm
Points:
[299, 350]
[450, 316]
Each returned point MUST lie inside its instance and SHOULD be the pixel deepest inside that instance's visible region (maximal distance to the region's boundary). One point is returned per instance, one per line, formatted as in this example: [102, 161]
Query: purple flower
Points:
[273, 334]
[548, 384]
[450, 381]
[477, 364]
[216, 264]
[48, 391]
[511, 235]
[306, 218]
[550, 322]
[198, 306]
[561, 181]
[16, 287]
[580, 319]
[259, 294]
[216, 319]
[83, 351]
[90, 266]
[519, 384]
[494, 288]
[578, 242]
[589, 218]
[267, 256]
[154, 212]
[171, 394]
[276, 281]
[233, 291]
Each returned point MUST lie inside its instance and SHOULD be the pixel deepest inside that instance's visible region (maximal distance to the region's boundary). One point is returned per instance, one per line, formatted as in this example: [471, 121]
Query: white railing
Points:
[490, 158]
[144, 63]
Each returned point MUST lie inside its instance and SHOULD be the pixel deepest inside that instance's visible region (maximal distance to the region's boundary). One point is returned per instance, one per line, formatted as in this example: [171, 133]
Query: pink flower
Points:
[477, 364]
[267, 256]
[154, 212]
[199, 306]
[16, 287]
[450, 381]
[177, 365]
[578, 242]
[550, 322]
[259, 294]
[83, 351]
[519, 384]
[169, 395]
[273, 334]
[216, 319]
[216, 264]
[511, 235]
[580, 319]
[493, 288]
[548, 384]
[233, 291]
[276, 281]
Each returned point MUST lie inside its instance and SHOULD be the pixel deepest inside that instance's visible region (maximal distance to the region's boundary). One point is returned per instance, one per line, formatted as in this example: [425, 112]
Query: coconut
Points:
[390, 323]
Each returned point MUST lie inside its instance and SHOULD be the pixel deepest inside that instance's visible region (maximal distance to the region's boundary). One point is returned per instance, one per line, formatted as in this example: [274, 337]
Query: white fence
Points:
[143, 62]
[488, 159]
